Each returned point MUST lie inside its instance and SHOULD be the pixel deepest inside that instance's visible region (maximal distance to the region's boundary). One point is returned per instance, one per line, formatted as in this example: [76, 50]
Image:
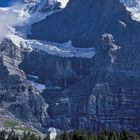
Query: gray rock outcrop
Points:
[16, 94]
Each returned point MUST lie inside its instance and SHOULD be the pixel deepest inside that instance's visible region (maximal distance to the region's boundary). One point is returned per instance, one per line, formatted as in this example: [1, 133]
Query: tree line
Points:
[102, 135]
[73, 135]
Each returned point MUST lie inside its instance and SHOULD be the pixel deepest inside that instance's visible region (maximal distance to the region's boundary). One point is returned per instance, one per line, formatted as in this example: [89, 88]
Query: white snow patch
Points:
[64, 100]
[53, 87]
[39, 87]
[122, 23]
[63, 3]
[33, 76]
[62, 50]
[135, 13]
[53, 133]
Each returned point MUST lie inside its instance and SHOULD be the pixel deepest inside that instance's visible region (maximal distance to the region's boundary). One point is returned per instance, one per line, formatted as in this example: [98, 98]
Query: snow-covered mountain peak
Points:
[44, 5]
[131, 3]
[134, 7]
[33, 11]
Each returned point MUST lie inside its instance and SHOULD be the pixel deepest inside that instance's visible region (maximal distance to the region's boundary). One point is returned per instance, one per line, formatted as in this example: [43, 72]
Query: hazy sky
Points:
[4, 3]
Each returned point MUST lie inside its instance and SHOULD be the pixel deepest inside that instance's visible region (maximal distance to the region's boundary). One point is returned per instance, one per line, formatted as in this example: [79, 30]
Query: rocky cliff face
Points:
[16, 94]
[10, 58]
[95, 92]
[110, 91]
[56, 69]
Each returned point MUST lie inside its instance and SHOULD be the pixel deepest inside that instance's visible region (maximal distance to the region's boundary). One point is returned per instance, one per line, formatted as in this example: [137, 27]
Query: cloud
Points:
[9, 17]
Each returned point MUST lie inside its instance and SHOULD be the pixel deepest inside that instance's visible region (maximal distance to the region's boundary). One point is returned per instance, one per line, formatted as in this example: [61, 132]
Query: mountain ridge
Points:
[69, 21]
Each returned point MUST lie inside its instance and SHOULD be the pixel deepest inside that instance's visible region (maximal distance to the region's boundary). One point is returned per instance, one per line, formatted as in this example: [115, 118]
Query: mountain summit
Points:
[83, 22]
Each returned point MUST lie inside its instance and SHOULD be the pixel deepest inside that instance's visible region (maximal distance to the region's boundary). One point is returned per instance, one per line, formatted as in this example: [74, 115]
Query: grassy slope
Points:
[9, 122]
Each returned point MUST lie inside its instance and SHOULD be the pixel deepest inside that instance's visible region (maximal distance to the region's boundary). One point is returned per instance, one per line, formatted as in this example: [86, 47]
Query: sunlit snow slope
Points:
[134, 7]
[26, 15]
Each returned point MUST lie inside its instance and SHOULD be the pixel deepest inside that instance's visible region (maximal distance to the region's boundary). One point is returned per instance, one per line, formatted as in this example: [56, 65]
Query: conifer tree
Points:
[91, 136]
[11, 136]
[24, 137]
[75, 135]
[65, 136]
[2, 135]
[84, 135]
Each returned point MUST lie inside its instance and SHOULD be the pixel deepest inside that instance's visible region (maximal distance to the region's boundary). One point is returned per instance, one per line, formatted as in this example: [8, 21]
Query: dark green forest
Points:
[74, 135]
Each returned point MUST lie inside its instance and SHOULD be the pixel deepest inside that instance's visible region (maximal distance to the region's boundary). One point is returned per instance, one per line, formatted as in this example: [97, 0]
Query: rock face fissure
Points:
[84, 93]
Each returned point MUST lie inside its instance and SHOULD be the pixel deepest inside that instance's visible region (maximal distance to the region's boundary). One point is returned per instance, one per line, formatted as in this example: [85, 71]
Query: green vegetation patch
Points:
[26, 129]
[10, 124]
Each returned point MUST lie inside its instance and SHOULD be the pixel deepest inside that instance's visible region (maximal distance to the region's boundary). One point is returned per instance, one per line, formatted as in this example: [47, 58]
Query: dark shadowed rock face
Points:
[84, 22]
[59, 70]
